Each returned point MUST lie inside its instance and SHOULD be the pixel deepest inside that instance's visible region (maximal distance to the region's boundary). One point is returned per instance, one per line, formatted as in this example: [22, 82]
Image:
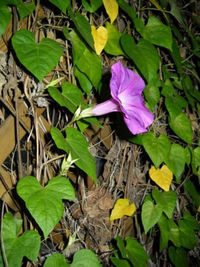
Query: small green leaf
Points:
[178, 256]
[78, 146]
[187, 235]
[113, 46]
[120, 262]
[187, 156]
[17, 247]
[152, 95]
[93, 6]
[195, 159]
[25, 9]
[5, 18]
[84, 28]
[129, 10]
[120, 245]
[193, 193]
[164, 232]
[176, 160]
[40, 58]
[90, 64]
[136, 253]
[174, 235]
[45, 203]
[61, 4]
[56, 260]
[175, 104]
[71, 96]
[157, 33]
[181, 125]
[144, 55]
[85, 258]
[150, 215]
[168, 89]
[156, 148]
[83, 80]
[190, 220]
[85, 60]
[167, 200]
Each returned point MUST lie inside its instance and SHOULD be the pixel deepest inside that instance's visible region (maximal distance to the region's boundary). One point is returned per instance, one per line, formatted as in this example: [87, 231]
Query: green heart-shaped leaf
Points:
[5, 18]
[61, 4]
[85, 258]
[40, 58]
[45, 203]
[150, 215]
[16, 247]
[158, 33]
[78, 146]
[181, 125]
[143, 50]
[56, 260]
[157, 148]
[167, 200]
[85, 60]
[176, 160]
[93, 6]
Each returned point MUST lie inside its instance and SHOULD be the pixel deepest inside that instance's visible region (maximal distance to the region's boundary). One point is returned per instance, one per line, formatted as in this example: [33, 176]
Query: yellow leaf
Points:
[111, 7]
[162, 177]
[198, 209]
[122, 208]
[100, 37]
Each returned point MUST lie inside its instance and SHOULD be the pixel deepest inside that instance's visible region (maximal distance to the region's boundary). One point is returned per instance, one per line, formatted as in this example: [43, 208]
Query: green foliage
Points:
[16, 247]
[76, 144]
[144, 49]
[61, 4]
[86, 61]
[85, 258]
[155, 46]
[150, 215]
[71, 96]
[167, 200]
[157, 33]
[113, 46]
[193, 193]
[40, 58]
[130, 251]
[45, 203]
[5, 17]
[24, 9]
[178, 256]
[84, 28]
[92, 6]
[181, 125]
[176, 160]
[56, 260]
[157, 148]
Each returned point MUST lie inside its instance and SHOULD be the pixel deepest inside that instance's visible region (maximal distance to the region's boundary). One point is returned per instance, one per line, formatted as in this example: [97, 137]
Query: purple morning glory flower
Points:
[126, 90]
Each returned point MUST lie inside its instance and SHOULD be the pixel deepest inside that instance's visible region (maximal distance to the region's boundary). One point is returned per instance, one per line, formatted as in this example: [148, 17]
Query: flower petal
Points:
[105, 107]
[136, 116]
[125, 82]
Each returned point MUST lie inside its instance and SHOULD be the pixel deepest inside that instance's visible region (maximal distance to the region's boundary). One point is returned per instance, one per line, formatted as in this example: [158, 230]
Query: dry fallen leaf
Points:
[100, 37]
[122, 208]
[162, 177]
[111, 7]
